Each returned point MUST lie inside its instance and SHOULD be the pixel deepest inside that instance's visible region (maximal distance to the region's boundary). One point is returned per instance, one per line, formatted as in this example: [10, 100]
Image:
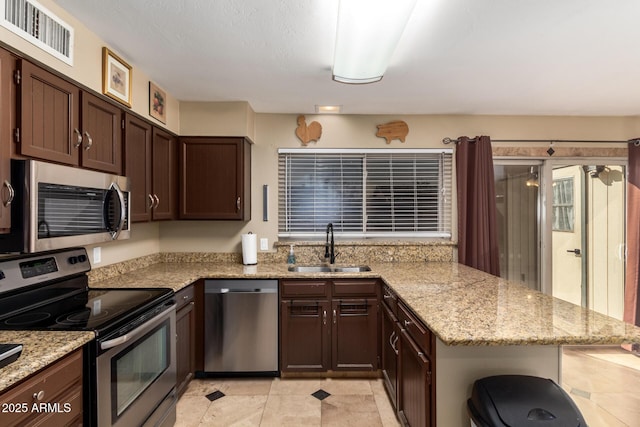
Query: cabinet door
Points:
[304, 336]
[101, 135]
[355, 334]
[390, 337]
[7, 114]
[137, 166]
[49, 123]
[164, 175]
[185, 346]
[414, 405]
[215, 178]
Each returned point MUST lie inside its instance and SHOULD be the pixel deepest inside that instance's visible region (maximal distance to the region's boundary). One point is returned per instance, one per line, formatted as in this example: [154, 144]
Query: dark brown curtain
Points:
[477, 230]
[632, 274]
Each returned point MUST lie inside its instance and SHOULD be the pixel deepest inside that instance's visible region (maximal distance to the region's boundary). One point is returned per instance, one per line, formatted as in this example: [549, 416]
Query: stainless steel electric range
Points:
[130, 368]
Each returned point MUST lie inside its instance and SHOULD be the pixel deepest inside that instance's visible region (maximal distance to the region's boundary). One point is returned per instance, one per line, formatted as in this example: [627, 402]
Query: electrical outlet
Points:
[97, 255]
[264, 244]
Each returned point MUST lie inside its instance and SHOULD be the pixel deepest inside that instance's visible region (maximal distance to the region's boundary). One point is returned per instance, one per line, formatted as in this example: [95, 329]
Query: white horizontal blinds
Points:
[403, 193]
[368, 193]
[316, 189]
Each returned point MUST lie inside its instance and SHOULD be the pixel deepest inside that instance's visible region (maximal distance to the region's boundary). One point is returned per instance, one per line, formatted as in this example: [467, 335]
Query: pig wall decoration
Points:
[393, 130]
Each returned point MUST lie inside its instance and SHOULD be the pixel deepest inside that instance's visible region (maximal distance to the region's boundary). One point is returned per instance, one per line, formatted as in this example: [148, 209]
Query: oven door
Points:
[136, 374]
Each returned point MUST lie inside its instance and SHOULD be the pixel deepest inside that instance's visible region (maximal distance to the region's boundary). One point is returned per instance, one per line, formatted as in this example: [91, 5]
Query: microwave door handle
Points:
[123, 212]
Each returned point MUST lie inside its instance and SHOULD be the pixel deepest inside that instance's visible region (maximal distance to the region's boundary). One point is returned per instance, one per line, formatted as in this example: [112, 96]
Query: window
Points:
[365, 193]
[563, 216]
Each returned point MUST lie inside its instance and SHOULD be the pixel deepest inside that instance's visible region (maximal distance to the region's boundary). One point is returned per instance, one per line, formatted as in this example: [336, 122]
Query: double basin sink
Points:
[329, 268]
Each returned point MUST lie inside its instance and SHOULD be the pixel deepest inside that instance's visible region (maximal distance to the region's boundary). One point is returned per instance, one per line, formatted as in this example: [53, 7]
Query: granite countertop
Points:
[39, 349]
[461, 305]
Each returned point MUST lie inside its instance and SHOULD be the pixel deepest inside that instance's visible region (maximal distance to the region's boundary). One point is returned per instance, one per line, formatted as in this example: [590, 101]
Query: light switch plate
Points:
[264, 244]
[97, 255]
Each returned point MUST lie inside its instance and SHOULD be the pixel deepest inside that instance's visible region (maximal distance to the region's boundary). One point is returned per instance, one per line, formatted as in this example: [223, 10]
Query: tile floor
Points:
[603, 381]
[285, 402]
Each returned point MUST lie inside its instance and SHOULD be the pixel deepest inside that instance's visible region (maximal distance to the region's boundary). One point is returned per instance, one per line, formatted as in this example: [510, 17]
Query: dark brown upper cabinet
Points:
[7, 113]
[215, 178]
[150, 164]
[60, 123]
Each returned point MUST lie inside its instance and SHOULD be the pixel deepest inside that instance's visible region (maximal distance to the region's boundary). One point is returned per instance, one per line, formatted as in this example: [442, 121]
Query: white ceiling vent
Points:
[35, 23]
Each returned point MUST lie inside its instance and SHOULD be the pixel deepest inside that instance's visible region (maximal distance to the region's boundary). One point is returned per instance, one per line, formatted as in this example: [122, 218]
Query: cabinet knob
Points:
[38, 395]
[12, 193]
[89, 140]
[78, 138]
[407, 323]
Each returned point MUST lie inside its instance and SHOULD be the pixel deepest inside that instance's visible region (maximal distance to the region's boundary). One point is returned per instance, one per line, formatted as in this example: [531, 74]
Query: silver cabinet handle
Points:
[391, 338]
[324, 317]
[151, 201]
[335, 317]
[89, 140]
[12, 193]
[157, 199]
[38, 395]
[238, 204]
[407, 323]
[78, 138]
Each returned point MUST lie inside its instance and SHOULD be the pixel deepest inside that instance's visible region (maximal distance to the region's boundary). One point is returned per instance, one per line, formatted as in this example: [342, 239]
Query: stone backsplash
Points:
[350, 253]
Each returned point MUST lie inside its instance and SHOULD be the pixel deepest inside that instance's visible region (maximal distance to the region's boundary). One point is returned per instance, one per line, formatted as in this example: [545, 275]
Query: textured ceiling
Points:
[542, 57]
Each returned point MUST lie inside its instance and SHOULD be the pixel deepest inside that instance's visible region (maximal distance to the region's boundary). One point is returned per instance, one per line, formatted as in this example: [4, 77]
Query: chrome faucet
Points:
[329, 247]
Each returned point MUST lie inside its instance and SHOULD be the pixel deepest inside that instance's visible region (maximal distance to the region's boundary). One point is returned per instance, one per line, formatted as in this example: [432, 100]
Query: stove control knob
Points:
[82, 258]
[73, 260]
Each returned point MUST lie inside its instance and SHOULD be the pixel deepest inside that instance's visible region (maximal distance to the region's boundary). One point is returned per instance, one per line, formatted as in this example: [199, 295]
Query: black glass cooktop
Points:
[93, 309]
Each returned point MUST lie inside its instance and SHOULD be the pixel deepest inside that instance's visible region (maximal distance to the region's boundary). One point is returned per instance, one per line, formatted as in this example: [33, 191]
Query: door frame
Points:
[545, 208]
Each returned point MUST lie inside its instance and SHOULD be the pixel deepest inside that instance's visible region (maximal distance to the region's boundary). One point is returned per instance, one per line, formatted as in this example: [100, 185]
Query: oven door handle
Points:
[140, 330]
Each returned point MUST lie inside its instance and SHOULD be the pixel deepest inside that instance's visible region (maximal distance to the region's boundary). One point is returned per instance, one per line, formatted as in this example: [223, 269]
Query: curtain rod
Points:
[635, 141]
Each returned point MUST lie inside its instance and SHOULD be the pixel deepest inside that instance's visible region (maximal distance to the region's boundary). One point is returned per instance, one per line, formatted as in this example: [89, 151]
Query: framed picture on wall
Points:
[157, 103]
[116, 77]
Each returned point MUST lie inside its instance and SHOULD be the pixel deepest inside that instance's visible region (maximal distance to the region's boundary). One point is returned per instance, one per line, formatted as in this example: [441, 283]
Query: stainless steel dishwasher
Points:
[241, 327]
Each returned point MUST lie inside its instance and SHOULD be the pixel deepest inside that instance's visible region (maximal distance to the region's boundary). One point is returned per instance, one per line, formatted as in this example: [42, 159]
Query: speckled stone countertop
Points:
[461, 305]
[39, 349]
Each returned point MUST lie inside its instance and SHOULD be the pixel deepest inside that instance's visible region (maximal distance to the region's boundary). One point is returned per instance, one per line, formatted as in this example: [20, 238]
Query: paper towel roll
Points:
[249, 249]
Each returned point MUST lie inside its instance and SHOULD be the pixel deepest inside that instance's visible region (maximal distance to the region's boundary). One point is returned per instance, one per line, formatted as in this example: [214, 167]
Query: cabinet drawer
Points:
[420, 334]
[184, 296]
[390, 299]
[304, 288]
[51, 384]
[355, 288]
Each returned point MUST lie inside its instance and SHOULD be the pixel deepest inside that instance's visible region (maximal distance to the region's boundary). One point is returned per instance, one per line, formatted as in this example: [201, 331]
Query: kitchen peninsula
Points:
[483, 325]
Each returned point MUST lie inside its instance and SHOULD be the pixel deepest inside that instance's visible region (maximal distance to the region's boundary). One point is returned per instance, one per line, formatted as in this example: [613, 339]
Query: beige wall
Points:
[271, 131]
[87, 67]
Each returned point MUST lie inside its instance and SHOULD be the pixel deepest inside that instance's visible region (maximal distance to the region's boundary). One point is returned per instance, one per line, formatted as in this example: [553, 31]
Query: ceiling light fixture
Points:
[368, 32]
[328, 109]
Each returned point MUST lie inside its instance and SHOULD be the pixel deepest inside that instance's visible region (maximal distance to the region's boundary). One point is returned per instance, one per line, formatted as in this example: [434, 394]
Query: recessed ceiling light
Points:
[328, 109]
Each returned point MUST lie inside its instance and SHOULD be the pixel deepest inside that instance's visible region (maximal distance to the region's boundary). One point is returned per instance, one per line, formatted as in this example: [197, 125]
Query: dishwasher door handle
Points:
[240, 291]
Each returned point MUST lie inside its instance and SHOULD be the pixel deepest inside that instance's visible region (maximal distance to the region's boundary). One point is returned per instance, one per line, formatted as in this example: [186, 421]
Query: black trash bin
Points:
[521, 401]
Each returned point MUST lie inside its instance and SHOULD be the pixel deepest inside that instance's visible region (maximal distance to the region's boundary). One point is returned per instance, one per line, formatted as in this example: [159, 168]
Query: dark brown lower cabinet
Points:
[390, 338]
[329, 325]
[414, 406]
[304, 335]
[185, 338]
[354, 334]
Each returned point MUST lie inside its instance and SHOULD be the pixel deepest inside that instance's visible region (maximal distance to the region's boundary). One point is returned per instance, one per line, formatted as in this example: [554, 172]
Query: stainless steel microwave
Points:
[58, 206]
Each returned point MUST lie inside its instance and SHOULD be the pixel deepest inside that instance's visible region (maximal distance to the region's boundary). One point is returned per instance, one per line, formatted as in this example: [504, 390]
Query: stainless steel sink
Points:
[329, 269]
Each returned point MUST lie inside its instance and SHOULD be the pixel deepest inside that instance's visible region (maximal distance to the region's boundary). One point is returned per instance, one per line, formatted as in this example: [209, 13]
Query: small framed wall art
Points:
[116, 77]
[157, 103]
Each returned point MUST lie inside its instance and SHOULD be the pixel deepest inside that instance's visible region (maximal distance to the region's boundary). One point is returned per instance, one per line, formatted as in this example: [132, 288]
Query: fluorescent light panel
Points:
[368, 32]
